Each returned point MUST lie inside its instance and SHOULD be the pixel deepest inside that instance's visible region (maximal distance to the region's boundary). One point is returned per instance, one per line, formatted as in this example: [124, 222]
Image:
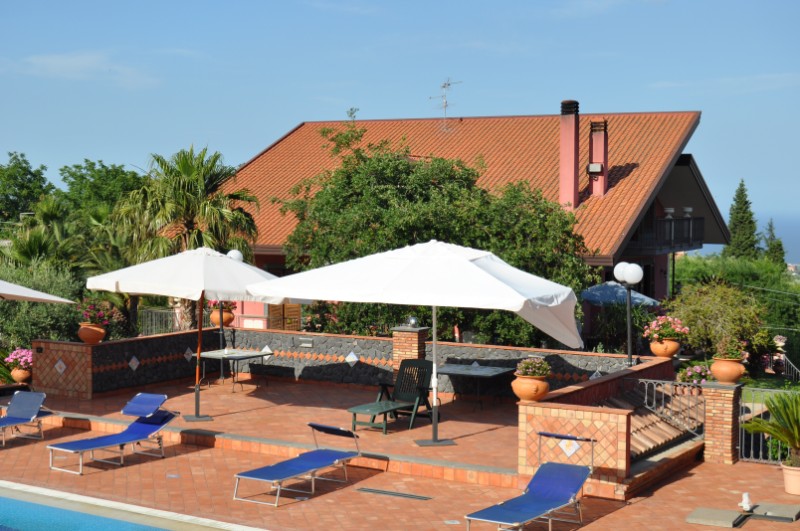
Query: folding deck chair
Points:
[410, 393]
[553, 490]
[142, 431]
[304, 466]
[25, 409]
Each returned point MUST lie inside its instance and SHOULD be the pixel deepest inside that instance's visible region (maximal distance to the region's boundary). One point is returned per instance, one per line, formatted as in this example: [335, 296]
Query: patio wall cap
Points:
[718, 385]
[410, 328]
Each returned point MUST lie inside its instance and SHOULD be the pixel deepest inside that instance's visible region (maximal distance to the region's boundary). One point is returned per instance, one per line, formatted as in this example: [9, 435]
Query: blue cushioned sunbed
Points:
[553, 488]
[144, 430]
[304, 466]
[25, 409]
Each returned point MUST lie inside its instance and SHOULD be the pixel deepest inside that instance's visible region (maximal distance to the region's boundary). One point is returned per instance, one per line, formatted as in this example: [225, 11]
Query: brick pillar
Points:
[722, 422]
[408, 343]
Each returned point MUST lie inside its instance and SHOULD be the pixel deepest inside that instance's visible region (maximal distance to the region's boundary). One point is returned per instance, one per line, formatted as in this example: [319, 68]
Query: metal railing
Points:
[152, 321]
[677, 234]
[679, 403]
[756, 446]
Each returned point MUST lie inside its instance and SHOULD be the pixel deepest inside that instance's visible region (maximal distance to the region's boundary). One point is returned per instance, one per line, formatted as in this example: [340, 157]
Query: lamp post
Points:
[628, 275]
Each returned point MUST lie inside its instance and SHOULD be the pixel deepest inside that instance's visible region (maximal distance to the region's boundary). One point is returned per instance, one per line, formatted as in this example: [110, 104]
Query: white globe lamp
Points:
[236, 254]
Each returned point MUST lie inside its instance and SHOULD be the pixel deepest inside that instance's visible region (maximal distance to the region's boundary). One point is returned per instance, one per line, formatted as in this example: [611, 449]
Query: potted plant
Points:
[20, 362]
[95, 318]
[665, 334]
[226, 308]
[531, 379]
[727, 366]
[782, 424]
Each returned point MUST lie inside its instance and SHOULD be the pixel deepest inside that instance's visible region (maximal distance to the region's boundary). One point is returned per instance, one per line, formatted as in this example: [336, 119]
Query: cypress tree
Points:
[774, 251]
[742, 224]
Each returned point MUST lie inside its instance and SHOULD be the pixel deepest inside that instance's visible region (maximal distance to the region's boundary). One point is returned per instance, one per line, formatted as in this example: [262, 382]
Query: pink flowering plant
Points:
[666, 327]
[696, 374]
[20, 358]
[227, 306]
[97, 313]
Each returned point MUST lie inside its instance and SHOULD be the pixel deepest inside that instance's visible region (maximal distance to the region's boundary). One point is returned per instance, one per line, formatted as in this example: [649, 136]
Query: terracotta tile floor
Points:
[198, 480]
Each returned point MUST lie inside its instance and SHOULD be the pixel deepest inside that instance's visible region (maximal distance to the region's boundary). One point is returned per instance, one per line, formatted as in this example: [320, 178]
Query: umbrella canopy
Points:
[15, 292]
[610, 293]
[436, 274]
[196, 275]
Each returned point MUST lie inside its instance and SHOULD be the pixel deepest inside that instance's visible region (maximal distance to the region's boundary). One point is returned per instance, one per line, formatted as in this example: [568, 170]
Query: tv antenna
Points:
[445, 87]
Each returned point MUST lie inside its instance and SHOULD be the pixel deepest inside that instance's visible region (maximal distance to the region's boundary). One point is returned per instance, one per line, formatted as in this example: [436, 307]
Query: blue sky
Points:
[117, 81]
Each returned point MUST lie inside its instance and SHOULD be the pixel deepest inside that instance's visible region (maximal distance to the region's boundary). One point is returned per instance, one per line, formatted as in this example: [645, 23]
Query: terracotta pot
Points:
[665, 348]
[20, 375]
[91, 334]
[530, 388]
[727, 371]
[227, 317]
[791, 479]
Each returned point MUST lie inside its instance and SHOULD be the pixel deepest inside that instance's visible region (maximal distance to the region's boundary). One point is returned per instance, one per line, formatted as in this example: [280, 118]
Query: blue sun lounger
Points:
[142, 431]
[25, 409]
[305, 466]
[552, 494]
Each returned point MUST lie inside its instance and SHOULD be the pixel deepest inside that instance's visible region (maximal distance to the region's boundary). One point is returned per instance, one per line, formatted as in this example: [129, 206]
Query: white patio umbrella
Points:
[436, 274]
[197, 275]
[15, 292]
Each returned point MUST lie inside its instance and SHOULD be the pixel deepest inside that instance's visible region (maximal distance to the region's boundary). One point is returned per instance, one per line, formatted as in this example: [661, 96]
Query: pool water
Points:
[17, 515]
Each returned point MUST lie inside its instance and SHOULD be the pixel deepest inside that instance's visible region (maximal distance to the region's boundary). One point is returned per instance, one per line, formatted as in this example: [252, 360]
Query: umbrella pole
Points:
[435, 441]
[197, 417]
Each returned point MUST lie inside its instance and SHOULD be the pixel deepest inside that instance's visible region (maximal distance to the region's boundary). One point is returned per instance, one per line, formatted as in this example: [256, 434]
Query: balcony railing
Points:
[669, 235]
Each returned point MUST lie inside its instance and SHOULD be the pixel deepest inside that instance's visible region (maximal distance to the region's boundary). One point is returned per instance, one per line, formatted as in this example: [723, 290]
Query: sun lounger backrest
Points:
[25, 405]
[144, 405]
[413, 376]
[332, 430]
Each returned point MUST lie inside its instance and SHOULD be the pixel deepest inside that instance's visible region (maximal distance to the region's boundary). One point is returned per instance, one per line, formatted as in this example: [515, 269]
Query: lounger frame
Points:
[29, 417]
[305, 467]
[569, 511]
[147, 407]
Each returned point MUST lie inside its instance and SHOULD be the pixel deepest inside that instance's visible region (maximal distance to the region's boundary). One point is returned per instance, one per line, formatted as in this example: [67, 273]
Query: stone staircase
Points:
[661, 444]
[652, 432]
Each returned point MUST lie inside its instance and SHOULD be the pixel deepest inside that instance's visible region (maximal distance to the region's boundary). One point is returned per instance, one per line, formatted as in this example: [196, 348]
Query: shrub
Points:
[23, 321]
[714, 312]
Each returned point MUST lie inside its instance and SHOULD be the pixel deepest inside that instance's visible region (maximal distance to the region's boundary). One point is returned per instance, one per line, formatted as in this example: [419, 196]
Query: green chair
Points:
[409, 393]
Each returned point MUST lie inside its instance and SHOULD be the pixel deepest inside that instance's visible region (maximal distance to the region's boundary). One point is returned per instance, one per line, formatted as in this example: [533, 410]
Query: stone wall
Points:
[78, 370]
[568, 367]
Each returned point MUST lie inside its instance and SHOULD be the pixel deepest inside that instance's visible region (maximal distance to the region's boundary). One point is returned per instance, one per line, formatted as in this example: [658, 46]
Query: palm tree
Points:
[182, 206]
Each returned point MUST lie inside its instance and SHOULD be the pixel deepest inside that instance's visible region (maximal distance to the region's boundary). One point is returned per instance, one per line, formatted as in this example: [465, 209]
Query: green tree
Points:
[742, 225]
[21, 186]
[94, 183]
[768, 282]
[715, 312]
[182, 206]
[381, 198]
[773, 246]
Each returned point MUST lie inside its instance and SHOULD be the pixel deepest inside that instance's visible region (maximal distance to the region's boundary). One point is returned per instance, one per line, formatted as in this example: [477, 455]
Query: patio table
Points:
[479, 372]
[235, 357]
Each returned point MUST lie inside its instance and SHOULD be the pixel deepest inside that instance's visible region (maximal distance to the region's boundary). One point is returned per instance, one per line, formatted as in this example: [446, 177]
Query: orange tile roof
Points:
[642, 148]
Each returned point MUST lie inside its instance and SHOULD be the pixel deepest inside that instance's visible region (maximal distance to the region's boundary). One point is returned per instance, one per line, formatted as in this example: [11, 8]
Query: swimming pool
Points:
[20, 503]
[18, 515]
